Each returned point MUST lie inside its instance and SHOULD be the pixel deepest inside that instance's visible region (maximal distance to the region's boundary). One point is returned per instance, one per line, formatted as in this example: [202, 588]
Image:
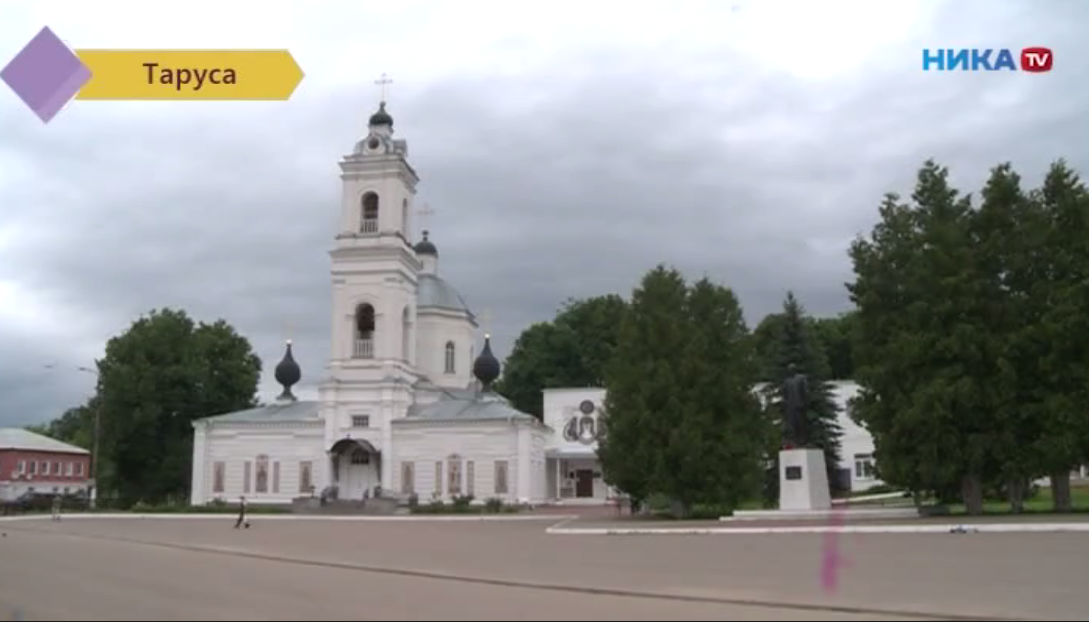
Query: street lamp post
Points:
[95, 437]
[93, 498]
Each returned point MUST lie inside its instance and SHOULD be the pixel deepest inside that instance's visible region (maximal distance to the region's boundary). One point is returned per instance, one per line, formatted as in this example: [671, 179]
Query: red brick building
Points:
[34, 463]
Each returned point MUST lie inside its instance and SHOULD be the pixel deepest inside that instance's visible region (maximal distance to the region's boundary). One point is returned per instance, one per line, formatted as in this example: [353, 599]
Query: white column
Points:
[525, 468]
[387, 446]
[198, 483]
[556, 491]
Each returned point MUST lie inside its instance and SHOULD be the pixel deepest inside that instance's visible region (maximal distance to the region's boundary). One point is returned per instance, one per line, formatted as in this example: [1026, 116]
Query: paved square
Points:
[173, 569]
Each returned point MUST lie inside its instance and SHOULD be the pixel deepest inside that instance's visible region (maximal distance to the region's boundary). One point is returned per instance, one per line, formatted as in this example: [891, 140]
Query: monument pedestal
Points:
[803, 481]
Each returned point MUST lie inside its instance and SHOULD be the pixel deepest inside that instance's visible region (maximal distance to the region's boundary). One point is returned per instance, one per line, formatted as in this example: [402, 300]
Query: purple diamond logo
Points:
[46, 75]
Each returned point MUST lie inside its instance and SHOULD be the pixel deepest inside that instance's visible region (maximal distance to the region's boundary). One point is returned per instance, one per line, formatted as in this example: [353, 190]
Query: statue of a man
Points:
[795, 398]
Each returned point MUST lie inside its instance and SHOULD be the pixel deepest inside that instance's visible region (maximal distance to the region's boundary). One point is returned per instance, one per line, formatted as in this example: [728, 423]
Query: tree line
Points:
[970, 347]
[965, 336]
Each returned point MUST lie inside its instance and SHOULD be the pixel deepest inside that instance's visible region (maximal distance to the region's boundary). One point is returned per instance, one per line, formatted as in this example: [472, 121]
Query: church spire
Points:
[382, 118]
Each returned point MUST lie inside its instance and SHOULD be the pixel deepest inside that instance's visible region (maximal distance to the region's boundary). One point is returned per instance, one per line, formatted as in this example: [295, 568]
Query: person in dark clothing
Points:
[242, 520]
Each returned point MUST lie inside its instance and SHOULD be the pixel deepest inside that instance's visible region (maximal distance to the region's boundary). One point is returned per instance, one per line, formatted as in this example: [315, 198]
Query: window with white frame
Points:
[361, 421]
[46, 467]
[864, 466]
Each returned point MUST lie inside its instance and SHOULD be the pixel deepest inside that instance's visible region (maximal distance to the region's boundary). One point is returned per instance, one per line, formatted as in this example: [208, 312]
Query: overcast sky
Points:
[566, 148]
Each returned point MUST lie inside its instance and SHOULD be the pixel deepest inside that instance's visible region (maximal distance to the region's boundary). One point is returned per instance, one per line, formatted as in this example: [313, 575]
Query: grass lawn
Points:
[1041, 503]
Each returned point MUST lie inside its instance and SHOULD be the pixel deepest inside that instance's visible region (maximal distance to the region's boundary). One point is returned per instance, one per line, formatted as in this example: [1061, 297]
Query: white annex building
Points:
[406, 407]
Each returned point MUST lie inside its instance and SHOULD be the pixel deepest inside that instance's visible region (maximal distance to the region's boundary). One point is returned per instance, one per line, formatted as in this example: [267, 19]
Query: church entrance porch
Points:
[356, 469]
[577, 481]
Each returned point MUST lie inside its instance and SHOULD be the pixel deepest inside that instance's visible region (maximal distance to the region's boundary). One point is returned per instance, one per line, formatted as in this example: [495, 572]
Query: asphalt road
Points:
[173, 569]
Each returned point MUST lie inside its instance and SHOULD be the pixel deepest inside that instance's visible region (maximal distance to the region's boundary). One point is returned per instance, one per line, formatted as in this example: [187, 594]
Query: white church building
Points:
[406, 407]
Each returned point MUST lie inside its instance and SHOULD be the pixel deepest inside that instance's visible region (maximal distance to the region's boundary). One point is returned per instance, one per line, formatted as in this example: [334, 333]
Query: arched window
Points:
[363, 347]
[451, 362]
[406, 334]
[369, 223]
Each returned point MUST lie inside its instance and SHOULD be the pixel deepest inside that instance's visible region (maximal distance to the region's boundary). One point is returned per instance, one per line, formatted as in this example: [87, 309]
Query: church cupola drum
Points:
[288, 374]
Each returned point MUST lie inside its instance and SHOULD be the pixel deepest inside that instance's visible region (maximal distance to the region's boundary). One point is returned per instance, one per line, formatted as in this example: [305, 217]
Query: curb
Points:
[257, 518]
[818, 529]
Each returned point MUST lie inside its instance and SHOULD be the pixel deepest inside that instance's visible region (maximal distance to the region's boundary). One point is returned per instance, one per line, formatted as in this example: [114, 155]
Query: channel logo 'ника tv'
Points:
[1033, 59]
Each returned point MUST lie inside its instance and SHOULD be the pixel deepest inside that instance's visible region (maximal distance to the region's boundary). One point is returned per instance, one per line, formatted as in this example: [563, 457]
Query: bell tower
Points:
[374, 267]
[374, 272]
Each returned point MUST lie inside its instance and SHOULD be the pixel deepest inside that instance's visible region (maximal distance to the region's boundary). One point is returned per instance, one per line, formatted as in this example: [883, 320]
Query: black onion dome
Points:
[288, 373]
[426, 246]
[486, 366]
[381, 117]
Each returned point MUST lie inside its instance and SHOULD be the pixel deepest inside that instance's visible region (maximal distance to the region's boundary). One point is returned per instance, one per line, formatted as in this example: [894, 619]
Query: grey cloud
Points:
[570, 179]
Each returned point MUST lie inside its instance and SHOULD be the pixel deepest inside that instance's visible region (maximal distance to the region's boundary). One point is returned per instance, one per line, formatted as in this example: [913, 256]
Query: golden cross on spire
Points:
[486, 321]
[384, 83]
[425, 212]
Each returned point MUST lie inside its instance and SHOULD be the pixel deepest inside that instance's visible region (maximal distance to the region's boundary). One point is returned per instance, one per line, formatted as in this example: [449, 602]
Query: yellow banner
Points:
[190, 74]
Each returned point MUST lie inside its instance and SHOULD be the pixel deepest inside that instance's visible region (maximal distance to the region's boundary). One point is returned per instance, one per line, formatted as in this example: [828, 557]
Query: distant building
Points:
[34, 463]
[574, 475]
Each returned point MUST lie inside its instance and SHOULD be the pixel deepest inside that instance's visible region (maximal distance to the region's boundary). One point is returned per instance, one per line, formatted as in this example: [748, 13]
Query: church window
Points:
[361, 421]
[453, 484]
[408, 478]
[404, 217]
[450, 357]
[359, 456]
[306, 484]
[275, 478]
[364, 332]
[501, 485]
[470, 478]
[218, 477]
[369, 222]
[247, 477]
[262, 474]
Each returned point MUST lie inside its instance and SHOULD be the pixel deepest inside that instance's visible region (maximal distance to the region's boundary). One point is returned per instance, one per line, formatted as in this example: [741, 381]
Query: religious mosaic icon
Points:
[583, 427]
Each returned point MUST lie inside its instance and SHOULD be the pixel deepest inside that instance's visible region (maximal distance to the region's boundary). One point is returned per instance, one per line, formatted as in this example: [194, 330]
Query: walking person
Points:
[242, 520]
[56, 507]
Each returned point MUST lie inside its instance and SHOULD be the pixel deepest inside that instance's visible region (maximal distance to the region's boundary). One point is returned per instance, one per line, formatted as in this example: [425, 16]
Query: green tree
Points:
[572, 350]
[75, 426]
[796, 344]
[155, 379]
[1008, 234]
[836, 335]
[680, 413]
[1063, 442]
[924, 355]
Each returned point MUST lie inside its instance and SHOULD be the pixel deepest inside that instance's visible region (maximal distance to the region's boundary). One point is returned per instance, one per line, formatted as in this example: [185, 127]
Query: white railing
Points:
[369, 225]
[364, 349]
